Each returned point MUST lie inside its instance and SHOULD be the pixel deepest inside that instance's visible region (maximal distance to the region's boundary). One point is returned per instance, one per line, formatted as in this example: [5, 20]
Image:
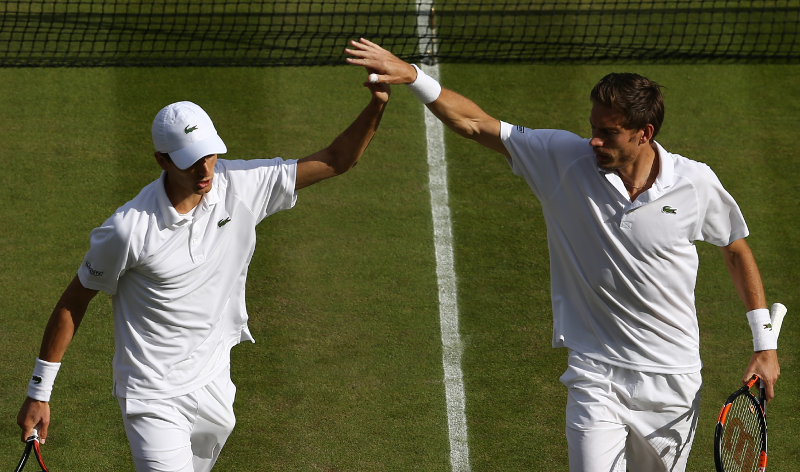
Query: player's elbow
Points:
[340, 161]
[464, 128]
[484, 132]
[736, 252]
[476, 128]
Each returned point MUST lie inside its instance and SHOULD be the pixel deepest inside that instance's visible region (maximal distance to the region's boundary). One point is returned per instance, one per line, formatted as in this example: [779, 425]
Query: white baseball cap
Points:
[185, 132]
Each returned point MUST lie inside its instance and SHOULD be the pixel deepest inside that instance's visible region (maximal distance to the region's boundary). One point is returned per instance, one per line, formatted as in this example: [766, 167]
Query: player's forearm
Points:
[462, 115]
[468, 120]
[58, 334]
[459, 113]
[456, 111]
[64, 321]
[347, 148]
[744, 273]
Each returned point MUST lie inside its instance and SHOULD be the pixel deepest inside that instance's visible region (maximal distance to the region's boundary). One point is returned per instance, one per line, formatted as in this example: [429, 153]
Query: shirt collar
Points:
[666, 172]
[170, 216]
[664, 180]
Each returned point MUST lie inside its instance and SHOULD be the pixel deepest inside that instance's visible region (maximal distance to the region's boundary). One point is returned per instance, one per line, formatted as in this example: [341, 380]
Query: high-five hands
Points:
[388, 67]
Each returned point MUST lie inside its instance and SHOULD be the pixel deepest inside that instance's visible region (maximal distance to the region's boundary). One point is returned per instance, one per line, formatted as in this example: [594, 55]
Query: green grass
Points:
[346, 371]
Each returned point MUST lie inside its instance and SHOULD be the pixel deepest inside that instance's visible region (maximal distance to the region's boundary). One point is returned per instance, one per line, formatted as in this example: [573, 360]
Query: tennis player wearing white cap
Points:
[174, 259]
[622, 216]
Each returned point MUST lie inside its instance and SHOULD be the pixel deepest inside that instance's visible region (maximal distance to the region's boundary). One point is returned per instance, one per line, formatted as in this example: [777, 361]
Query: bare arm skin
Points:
[457, 112]
[60, 330]
[348, 147]
[747, 280]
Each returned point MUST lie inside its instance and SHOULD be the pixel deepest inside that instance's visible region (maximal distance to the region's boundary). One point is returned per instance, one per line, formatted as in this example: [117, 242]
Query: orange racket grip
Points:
[752, 381]
[762, 462]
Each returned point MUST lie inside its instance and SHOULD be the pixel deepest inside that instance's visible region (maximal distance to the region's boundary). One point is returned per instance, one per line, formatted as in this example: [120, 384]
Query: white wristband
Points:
[41, 384]
[425, 87]
[764, 338]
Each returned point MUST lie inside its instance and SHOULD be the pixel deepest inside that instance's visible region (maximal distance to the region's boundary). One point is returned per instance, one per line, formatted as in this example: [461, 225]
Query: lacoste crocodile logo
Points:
[768, 326]
[223, 222]
[36, 379]
[188, 130]
[669, 210]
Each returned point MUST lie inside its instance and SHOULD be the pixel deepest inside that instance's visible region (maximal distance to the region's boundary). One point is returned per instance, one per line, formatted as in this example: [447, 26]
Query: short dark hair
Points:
[166, 156]
[638, 98]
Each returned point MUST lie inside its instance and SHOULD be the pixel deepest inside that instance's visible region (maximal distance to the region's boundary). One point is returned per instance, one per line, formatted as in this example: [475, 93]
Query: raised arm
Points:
[456, 111]
[347, 148]
[747, 280]
[61, 327]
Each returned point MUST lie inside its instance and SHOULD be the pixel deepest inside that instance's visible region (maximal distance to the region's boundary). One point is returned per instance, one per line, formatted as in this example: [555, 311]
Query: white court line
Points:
[443, 243]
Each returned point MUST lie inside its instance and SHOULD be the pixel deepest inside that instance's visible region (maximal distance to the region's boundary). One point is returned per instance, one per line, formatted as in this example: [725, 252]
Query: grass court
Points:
[346, 373]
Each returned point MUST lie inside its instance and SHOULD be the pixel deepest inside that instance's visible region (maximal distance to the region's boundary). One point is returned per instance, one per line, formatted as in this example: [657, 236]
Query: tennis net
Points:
[315, 32]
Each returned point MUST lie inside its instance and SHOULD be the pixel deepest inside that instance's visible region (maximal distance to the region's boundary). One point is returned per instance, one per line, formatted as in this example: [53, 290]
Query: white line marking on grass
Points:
[446, 275]
[448, 306]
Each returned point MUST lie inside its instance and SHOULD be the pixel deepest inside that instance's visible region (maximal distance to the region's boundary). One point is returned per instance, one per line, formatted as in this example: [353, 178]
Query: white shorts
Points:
[181, 434]
[620, 418]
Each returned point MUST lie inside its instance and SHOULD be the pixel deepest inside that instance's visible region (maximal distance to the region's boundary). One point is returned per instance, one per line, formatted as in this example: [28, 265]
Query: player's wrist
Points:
[411, 74]
[764, 338]
[37, 401]
[424, 87]
[378, 102]
[41, 383]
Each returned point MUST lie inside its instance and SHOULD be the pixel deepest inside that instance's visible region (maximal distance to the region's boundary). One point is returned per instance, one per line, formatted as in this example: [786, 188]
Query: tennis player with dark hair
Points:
[622, 216]
[174, 260]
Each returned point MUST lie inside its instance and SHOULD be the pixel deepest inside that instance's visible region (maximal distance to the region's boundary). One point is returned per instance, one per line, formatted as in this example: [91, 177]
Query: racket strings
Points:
[741, 437]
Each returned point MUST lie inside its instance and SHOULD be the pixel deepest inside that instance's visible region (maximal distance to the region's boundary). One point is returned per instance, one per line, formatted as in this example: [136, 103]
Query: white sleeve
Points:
[720, 219]
[111, 253]
[266, 186]
[542, 156]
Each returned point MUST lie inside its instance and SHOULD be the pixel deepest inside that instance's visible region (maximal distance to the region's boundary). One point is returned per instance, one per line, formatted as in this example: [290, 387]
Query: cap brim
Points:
[184, 158]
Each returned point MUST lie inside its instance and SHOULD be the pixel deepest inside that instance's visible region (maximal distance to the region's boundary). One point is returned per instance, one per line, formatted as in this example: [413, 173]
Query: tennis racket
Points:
[31, 445]
[740, 438]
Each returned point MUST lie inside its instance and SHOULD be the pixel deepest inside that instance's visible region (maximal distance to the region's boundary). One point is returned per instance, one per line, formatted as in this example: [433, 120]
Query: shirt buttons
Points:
[194, 241]
[201, 257]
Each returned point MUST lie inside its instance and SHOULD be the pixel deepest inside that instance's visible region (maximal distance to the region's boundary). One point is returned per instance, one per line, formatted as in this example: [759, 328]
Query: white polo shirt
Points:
[178, 281]
[623, 273]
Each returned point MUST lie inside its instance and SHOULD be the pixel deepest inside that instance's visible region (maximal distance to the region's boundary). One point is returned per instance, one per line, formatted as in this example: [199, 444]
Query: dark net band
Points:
[315, 32]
